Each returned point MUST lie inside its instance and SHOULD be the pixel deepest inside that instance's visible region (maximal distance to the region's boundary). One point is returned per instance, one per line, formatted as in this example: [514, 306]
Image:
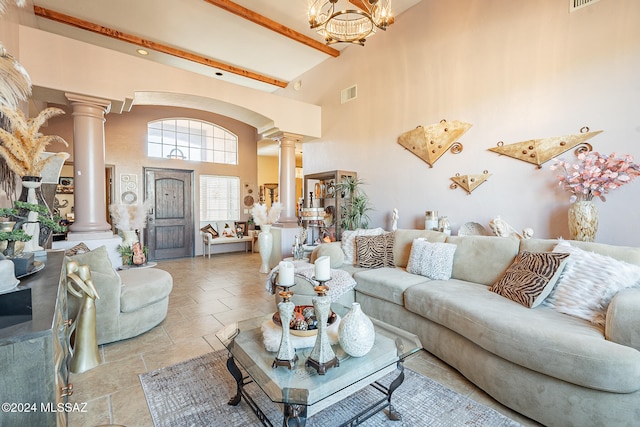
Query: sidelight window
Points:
[219, 198]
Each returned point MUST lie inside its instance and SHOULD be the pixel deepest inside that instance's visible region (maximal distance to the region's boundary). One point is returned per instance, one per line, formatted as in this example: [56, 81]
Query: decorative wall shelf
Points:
[469, 182]
[538, 151]
[432, 142]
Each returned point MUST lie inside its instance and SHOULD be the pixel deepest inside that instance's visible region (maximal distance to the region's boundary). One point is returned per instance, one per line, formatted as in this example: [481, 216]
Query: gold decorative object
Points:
[432, 142]
[538, 151]
[85, 349]
[469, 182]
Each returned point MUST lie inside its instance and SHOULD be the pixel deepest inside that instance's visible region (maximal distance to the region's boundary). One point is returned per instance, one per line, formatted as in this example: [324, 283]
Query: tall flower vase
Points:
[129, 237]
[583, 220]
[356, 333]
[265, 243]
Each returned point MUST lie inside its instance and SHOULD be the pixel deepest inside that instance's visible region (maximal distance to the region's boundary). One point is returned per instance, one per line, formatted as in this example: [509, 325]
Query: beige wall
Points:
[125, 141]
[515, 70]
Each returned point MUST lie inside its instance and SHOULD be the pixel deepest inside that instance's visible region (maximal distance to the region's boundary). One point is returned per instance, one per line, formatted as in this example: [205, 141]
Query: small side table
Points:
[149, 264]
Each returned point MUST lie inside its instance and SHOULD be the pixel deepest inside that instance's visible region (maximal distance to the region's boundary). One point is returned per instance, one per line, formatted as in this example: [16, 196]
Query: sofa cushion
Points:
[589, 282]
[482, 259]
[386, 283]
[539, 339]
[97, 260]
[333, 250]
[143, 287]
[432, 260]
[621, 253]
[403, 241]
[374, 251]
[349, 241]
[531, 277]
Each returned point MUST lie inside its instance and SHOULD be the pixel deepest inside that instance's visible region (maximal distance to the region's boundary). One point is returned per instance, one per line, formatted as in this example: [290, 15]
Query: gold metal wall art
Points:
[469, 182]
[538, 151]
[431, 142]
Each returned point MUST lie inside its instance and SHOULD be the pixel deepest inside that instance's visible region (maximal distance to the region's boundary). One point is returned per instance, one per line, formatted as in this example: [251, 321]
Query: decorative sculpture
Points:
[502, 229]
[394, 219]
[432, 142]
[85, 349]
[322, 356]
[538, 151]
[469, 182]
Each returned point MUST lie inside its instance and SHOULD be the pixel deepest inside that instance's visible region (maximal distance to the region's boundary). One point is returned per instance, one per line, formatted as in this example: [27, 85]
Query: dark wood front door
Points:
[170, 225]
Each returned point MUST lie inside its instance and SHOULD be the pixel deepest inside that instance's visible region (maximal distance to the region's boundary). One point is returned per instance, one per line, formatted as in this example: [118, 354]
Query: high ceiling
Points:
[211, 33]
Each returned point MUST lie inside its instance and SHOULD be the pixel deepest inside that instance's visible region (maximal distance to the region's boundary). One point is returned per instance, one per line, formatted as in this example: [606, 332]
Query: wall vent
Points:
[579, 4]
[348, 94]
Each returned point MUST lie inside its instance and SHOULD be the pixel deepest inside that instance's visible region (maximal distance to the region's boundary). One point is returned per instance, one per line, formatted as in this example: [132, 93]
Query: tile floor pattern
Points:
[207, 294]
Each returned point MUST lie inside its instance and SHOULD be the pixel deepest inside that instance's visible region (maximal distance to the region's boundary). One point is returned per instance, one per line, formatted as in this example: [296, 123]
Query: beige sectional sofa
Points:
[555, 368]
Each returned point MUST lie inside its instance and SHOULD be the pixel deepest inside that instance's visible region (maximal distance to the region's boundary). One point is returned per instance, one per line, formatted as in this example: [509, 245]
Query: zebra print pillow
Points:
[531, 277]
[374, 251]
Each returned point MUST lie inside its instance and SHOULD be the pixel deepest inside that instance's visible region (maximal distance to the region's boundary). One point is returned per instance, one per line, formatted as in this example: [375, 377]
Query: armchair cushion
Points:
[143, 287]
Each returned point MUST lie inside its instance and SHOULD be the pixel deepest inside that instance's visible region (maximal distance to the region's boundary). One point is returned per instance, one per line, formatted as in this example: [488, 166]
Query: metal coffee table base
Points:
[296, 415]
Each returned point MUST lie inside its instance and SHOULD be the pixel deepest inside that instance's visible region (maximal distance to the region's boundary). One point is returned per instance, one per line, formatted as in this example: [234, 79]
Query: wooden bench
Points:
[208, 240]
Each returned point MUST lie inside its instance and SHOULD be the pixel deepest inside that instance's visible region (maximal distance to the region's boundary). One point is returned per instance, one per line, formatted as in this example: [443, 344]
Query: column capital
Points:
[286, 136]
[105, 104]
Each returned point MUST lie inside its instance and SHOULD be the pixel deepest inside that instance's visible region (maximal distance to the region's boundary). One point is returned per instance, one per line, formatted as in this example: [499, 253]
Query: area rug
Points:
[194, 393]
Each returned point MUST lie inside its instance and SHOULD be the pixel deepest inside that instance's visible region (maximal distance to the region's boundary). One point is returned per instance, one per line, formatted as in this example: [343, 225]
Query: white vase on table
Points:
[265, 243]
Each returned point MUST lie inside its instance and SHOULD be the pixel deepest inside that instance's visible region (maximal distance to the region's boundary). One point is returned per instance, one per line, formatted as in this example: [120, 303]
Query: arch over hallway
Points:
[59, 65]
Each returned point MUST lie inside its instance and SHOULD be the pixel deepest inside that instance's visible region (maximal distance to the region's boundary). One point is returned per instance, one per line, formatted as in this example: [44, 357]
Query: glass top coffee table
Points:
[302, 391]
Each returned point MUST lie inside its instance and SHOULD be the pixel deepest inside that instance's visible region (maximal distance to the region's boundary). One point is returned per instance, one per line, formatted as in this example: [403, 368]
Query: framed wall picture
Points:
[65, 185]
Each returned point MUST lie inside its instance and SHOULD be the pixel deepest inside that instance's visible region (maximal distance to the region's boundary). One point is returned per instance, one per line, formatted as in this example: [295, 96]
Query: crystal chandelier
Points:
[351, 23]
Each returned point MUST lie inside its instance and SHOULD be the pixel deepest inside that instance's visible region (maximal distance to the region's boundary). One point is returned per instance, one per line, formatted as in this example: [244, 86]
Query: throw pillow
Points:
[80, 248]
[375, 251]
[531, 277]
[589, 282]
[98, 261]
[229, 230]
[432, 260]
[349, 241]
[209, 229]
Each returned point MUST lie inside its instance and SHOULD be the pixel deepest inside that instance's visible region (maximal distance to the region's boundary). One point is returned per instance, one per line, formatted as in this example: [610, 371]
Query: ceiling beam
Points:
[256, 18]
[159, 47]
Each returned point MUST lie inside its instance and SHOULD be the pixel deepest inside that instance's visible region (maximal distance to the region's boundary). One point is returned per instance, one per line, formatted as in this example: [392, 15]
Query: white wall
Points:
[517, 71]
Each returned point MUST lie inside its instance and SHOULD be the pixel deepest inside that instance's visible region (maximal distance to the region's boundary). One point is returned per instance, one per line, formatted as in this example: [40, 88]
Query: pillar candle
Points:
[285, 273]
[322, 268]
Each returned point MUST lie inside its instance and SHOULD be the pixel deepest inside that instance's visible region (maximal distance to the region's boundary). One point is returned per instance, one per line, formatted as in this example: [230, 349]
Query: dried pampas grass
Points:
[5, 3]
[130, 217]
[23, 145]
[15, 83]
[263, 216]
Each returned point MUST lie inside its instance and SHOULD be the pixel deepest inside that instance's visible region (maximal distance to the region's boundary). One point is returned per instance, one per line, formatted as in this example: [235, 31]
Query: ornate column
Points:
[287, 177]
[89, 166]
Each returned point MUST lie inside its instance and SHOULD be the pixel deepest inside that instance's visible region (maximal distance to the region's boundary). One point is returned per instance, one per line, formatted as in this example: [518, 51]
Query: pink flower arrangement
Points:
[595, 174]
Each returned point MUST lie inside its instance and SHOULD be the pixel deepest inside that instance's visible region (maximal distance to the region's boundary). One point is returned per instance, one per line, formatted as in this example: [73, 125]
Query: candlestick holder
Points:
[322, 356]
[286, 354]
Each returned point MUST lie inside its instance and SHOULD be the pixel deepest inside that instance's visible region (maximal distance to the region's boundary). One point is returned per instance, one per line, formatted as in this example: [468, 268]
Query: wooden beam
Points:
[159, 47]
[256, 18]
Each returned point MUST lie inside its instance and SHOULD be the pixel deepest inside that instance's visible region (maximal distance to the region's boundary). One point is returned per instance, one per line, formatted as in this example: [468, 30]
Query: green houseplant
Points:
[17, 234]
[356, 203]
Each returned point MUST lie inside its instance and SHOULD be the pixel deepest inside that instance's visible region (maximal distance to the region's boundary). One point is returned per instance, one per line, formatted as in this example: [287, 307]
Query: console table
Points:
[34, 354]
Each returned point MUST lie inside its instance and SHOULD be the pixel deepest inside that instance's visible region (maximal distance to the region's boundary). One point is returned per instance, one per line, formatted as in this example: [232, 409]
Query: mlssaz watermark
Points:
[25, 407]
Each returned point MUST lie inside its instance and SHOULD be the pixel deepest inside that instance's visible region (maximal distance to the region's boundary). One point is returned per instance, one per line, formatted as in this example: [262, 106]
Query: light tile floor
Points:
[207, 294]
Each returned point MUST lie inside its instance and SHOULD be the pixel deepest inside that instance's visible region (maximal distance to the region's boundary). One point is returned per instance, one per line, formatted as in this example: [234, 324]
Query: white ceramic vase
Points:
[356, 333]
[265, 242]
[129, 237]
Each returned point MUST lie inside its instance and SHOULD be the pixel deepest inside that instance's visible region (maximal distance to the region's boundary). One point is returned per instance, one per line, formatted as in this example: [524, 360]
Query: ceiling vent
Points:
[348, 94]
[579, 4]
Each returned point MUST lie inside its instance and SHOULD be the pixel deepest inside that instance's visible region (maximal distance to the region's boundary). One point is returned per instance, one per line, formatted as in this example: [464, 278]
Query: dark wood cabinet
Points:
[34, 354]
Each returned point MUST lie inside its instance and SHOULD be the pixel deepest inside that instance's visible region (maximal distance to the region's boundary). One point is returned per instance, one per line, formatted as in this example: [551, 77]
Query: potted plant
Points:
[356, 203]
[18, 216]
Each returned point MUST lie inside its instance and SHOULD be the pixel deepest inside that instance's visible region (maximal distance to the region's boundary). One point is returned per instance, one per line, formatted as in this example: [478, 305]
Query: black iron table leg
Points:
[294, 416]
[392, 414]
[237, 375]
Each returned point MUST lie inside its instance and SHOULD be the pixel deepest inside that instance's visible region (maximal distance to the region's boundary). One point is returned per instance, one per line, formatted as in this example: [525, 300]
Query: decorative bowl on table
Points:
[304, 322]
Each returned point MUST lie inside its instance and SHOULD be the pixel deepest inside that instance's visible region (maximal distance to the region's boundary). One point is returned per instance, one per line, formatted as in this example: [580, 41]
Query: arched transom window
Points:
[190, 139]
